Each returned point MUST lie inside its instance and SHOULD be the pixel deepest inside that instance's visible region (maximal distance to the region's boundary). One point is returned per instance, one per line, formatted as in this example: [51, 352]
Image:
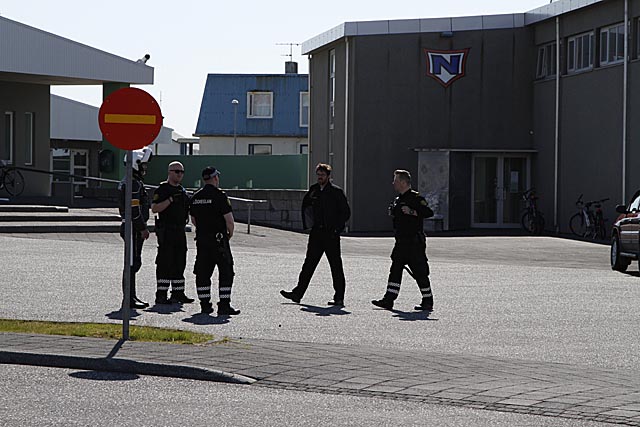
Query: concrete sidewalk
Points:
[537, 388]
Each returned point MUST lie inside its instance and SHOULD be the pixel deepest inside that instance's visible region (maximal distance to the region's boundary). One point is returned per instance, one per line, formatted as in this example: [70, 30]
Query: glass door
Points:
[498, 182]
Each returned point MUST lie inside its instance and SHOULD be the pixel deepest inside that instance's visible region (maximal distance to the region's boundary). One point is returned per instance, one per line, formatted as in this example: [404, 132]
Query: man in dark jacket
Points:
[325, 211]
[408, 210]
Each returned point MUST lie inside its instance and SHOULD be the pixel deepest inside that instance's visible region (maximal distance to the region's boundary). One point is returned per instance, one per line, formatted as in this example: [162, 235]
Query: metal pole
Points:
[128, 249]
[556, 168]
[249, 219]
[235, 121]
[624, 101]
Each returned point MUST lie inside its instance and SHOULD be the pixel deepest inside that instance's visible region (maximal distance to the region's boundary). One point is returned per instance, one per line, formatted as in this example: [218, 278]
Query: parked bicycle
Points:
[11, 179]
[532, 218]
[587, 222]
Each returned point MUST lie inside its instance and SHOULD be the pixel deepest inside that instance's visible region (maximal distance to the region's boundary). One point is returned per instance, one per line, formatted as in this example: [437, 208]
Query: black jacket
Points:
[326, 209]
[139, 203]
[408, 225]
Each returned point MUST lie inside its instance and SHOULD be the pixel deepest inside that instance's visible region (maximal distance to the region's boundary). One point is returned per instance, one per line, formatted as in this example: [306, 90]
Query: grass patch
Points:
[103, 330]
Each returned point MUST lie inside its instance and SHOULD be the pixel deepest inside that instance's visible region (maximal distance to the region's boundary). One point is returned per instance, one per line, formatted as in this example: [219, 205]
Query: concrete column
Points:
[118, 154]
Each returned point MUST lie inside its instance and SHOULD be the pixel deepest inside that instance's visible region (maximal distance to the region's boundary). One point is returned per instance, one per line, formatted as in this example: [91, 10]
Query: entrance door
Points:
[498, 182]
[69, 161]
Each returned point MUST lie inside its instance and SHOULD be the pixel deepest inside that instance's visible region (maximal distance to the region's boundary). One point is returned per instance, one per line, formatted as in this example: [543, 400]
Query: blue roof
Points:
[217, 111]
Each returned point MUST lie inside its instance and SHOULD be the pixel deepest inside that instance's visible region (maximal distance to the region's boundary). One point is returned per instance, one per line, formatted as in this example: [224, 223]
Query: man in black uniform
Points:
[171, 202]
[212, 215]
[325, 210]
[139, 217]
[408, 210]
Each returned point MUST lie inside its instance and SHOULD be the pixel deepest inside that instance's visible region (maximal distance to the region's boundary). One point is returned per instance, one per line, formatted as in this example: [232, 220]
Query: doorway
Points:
[498, 182]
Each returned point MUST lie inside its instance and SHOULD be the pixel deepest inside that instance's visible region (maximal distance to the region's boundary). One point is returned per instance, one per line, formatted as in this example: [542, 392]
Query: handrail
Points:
[113, 181]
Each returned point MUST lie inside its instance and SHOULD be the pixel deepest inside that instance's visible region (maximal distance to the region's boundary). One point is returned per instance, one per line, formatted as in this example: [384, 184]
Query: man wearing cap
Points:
[212, 216]
[171, 203]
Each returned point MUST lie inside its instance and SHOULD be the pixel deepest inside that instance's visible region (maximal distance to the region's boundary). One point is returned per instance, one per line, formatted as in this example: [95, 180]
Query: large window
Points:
[546, 66]
[6, 146]
[580, 52]
[304, 109]
[332, 87]
[29, 138]
[260, 105]
[259, 149]
[612, 44]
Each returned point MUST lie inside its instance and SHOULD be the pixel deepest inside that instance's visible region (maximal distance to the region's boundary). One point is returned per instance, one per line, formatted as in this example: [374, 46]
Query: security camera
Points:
[144, 59]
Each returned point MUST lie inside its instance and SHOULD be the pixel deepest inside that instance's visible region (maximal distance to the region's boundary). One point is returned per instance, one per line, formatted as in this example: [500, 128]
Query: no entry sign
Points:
[130, 118]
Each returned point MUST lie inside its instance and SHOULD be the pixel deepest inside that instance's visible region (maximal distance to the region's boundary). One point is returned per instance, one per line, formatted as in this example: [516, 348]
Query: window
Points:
[6, 148]
[546, 66]
[260, 105]
[29, 135]
[580, 52]
[304, 149]
[61, 163]
[612, 44]
[259, 149]
[304, 109]
[332, 86]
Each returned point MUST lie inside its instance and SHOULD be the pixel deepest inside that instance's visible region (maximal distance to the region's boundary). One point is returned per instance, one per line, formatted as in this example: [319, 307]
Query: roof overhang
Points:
[30, 55]
[439, 25]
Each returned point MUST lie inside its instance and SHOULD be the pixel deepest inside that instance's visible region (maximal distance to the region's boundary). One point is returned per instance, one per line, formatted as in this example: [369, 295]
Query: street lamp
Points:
[235, 121]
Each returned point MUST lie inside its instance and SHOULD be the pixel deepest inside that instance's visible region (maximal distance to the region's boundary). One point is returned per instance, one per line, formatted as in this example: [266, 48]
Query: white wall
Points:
[224, 144]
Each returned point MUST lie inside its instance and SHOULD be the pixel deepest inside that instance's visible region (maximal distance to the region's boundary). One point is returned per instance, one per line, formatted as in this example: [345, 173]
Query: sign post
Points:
[129, 119]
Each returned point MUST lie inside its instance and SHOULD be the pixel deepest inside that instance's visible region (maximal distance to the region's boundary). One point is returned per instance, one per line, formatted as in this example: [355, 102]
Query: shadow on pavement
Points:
[206, 319]
[165, 308]
[324, 311]
[410, 316]
[117, 315]
[104, 376]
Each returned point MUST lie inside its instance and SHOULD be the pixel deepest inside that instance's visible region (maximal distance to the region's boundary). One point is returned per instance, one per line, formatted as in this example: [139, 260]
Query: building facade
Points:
[249, 114]
[31, 61]
[480, 109]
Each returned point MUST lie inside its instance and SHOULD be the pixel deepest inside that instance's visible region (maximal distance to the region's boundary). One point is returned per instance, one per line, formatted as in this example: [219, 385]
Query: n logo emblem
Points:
[446, 66]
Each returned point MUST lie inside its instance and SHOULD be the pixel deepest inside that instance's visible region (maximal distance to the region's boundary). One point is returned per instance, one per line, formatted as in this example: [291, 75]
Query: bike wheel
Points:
[540, 224]
[528, 223]
[577, 225]
[13, 182]
[602, 230]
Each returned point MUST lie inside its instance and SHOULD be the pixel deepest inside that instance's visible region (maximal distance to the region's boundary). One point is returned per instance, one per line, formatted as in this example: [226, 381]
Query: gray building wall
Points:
[397, 107]
[21, 98]
[590, 121]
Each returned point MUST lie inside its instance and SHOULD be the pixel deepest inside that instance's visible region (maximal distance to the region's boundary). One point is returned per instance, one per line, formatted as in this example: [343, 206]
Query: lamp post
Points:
[235, 121]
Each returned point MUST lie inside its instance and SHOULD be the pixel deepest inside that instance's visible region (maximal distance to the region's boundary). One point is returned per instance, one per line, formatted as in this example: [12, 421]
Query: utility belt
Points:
[418, 237]
[160, 224]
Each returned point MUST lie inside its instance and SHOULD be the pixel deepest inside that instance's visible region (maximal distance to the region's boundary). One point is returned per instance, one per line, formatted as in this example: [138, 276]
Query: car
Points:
[625, 235]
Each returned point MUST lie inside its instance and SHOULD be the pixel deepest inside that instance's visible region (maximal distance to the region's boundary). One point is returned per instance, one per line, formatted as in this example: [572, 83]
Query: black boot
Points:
[290, 295]
[425, 305]
[161, 297]
[180, 297]
[385, 303]
[206, 307]
[225, 309]
[139, 302]
[134, 305]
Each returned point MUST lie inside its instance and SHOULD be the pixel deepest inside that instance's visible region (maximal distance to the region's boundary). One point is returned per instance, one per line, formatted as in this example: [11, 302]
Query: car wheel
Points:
[618, 263]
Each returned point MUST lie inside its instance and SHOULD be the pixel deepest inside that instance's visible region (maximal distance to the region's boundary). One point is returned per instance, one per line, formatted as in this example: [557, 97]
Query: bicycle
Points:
[588, 223]
[532, 218]
[11, 179]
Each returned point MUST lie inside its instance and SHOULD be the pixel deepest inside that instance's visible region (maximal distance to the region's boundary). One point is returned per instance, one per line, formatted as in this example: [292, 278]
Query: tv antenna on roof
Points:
[291, 45]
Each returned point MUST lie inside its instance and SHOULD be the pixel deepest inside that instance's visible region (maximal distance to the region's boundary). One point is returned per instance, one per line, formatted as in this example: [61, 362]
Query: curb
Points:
[123, 366]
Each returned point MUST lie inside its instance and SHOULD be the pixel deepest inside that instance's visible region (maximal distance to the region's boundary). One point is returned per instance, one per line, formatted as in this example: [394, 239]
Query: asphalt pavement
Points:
[528, 302]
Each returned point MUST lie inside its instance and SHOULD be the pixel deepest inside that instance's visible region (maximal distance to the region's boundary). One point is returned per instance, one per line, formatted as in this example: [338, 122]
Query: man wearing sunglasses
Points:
[171, 204]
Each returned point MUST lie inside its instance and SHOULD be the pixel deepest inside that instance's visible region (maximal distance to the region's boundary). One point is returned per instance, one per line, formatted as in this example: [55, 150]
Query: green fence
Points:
[278, 172]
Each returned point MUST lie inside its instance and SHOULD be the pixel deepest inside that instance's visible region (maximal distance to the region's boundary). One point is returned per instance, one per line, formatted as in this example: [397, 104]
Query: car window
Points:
[635, 205]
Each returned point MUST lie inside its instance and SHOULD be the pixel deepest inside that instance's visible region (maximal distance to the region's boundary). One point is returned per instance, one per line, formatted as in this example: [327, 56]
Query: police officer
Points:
[171, 202]
[325, 210]
[408, 210]
[139, 217]
[212, 215]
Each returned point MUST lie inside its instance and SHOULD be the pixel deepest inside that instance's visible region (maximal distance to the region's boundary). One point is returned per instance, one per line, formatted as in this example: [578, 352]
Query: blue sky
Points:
[189, 39]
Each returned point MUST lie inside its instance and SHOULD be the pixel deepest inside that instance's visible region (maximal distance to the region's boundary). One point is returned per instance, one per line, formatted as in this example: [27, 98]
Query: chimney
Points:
[291, 67]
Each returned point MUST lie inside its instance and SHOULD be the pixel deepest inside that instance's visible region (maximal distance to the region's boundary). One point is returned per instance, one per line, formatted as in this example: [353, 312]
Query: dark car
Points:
[625, 236]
